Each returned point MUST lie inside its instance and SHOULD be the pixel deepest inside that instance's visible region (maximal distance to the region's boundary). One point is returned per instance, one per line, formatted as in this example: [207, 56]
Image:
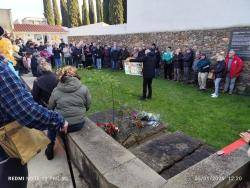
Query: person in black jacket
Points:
[148, 72]
[177, 62]
[115, 56]
[218, 70]
[44, 85]
[188, 59]
[203, 68]
[77, 54]
[57, 56]
[158, 60]
[98, 57]
[34, 64]
[124, 56]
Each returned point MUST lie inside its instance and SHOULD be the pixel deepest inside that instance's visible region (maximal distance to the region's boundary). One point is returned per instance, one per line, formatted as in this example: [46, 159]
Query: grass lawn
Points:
[217, 122]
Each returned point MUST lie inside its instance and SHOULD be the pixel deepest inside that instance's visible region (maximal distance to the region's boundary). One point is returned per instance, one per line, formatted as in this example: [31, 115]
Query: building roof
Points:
[38, 28]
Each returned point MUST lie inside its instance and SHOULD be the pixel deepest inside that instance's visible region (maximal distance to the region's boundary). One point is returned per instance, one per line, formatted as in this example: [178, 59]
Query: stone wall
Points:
[208, 41]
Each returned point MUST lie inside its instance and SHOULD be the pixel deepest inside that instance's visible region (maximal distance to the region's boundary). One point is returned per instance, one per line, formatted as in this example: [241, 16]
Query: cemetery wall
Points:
[208, 41]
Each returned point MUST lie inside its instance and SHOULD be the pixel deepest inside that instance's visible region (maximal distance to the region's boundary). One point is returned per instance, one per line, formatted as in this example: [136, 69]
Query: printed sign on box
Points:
[133, 68]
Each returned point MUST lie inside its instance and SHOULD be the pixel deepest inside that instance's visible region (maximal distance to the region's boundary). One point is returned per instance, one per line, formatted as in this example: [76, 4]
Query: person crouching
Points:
[71, 99]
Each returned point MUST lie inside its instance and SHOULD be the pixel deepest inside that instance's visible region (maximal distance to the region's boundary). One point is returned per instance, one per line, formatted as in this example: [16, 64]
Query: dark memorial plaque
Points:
[240, 42]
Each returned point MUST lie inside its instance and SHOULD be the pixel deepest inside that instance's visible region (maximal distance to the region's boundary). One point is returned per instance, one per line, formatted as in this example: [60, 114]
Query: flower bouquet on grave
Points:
[143, 118]
[109, 128]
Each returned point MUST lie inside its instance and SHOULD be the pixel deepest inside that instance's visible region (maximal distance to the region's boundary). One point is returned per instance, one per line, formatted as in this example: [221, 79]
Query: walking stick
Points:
[63, 136]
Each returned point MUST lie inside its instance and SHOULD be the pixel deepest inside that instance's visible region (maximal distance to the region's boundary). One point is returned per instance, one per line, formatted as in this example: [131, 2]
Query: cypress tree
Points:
[99, 10]
[57, 17]
[85, 13]
[116, 12]
[64, 13]
[74, 13]
[48, 12]
[106, 11]
[125, 11]
[92, 17]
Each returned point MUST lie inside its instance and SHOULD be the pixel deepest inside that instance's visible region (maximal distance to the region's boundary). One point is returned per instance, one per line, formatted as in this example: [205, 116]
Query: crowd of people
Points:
[189, 65]
[79, 55]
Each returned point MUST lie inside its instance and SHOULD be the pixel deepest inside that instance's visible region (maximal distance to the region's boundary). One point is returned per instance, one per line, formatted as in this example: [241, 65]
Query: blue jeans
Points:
[217, 86]
[157, 72]
[94, 61]
[58, 63]
[186, 75]
[114, 64]
[99, 63]
[230, 83]
[72, 128]
[68, 60]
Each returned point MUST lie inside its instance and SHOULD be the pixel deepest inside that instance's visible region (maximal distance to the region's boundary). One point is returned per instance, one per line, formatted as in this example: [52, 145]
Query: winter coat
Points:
[77, 53]
[236, 67]
[124, 54]
[188, 59]
[194, 66]
[71, 99]
[167, 57]
[98, 53]
[177, 61]
[149, 65]
[115, 54]
[43, 87]
[158, 59]
[106, 53]
[57, 53]
[203, 65]
[219, 69]
[34, 66]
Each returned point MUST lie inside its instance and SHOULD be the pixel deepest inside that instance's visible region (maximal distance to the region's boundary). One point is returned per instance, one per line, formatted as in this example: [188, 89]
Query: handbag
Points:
[22, 142]
[211, 76]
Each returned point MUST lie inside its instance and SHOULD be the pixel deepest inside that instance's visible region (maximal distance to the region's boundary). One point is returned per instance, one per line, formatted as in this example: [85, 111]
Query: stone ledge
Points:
[103, 162]
[213, 171]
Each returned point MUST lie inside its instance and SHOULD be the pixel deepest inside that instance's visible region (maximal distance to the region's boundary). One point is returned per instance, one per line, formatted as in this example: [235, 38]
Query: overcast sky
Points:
[26, 8]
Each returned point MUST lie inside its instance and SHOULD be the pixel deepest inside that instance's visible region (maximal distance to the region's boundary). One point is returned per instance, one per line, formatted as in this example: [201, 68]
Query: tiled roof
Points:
[38, 28]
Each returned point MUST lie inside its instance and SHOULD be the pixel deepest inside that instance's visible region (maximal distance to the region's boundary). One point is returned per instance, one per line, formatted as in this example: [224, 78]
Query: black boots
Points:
[49, 152]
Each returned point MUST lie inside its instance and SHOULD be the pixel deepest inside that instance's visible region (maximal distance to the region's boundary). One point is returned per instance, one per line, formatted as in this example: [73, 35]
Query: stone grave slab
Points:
[163, 152]
[195, 157]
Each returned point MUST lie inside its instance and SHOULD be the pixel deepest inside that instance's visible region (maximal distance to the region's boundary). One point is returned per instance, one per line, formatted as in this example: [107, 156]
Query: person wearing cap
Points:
[234, 66]
[218, 70]
[17, 104]
[203, 68]
[6, 47]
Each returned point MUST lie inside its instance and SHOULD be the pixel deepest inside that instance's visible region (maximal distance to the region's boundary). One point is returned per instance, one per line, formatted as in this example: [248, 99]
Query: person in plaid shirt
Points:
[16, 103]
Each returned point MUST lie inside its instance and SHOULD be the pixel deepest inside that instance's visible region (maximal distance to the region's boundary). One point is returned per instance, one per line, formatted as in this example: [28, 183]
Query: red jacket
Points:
[236, 67]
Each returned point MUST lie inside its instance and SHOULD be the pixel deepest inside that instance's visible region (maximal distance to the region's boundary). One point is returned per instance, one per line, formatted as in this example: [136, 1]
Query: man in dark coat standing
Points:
[148, 72]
